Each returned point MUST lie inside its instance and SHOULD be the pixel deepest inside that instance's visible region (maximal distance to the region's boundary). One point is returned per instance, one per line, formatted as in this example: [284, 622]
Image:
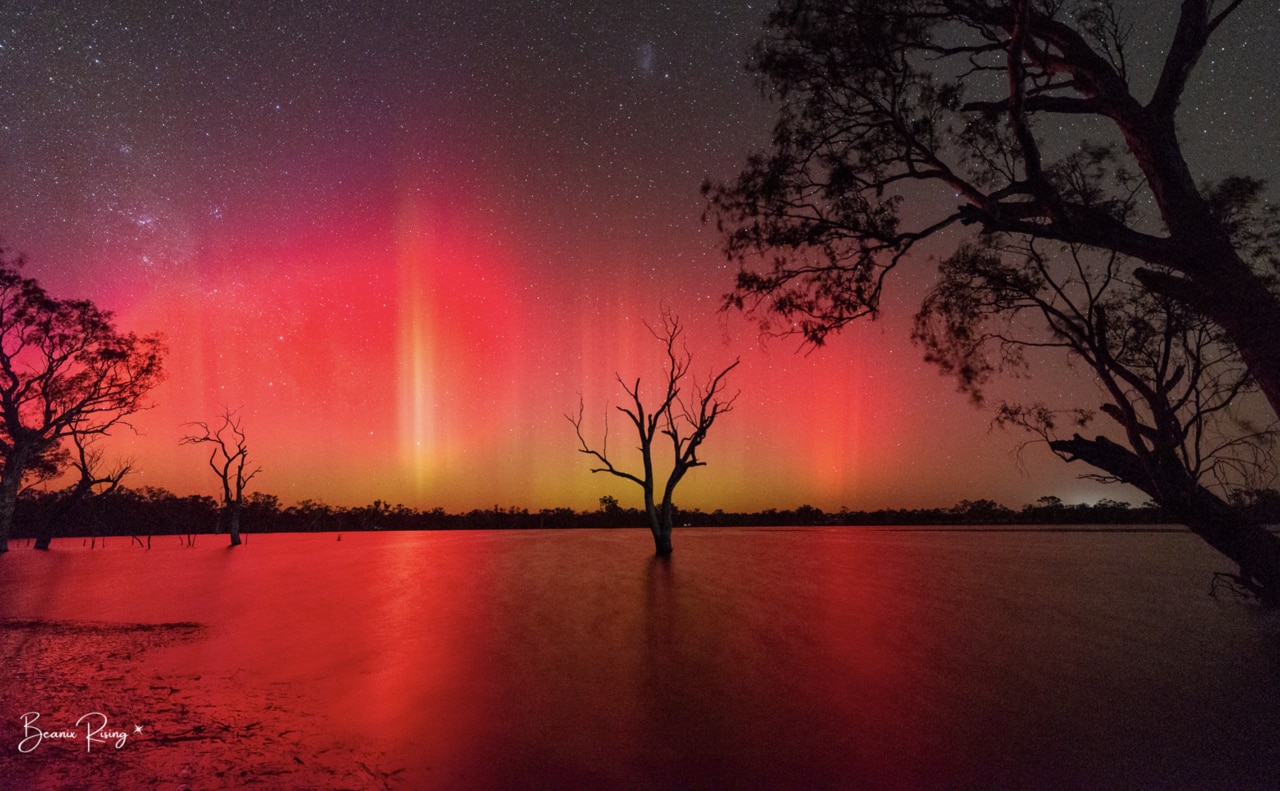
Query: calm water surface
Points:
[754, 658]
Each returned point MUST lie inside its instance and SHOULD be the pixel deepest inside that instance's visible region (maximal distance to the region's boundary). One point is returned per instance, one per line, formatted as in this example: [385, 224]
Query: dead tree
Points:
[93, 481]
[684, 418]
[228, 457]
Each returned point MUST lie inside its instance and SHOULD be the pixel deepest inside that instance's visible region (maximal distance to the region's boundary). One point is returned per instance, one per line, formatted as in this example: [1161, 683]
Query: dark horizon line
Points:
[125, 512]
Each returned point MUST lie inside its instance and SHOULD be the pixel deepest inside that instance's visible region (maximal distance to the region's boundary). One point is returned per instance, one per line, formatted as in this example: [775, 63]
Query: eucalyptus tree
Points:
[905, 120]
[64, 371]
[1170, 386]
[1009, 135]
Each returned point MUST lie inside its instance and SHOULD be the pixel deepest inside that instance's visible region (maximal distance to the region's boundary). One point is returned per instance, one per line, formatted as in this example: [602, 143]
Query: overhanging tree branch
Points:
[881, 104]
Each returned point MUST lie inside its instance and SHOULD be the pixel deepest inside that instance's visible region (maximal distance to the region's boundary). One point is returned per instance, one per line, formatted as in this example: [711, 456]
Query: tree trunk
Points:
[661, 529]
[660, 525]
[1252, 547]
[15, 467]
[45, 537]
[662, 542]
[60, 516]
[1250, 315]
[233, 524]
[1214, 279]
[1240, 302]
[8, 504]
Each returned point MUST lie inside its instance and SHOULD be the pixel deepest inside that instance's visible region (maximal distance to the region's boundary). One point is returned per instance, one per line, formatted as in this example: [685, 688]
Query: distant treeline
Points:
[157, 512]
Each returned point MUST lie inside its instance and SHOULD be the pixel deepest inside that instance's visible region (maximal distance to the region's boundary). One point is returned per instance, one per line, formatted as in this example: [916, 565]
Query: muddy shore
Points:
[156, 728]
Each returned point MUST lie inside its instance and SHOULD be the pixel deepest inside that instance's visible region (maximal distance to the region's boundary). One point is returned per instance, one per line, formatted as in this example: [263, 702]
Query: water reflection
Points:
[747, 659]
[657, 683]
[683, 690]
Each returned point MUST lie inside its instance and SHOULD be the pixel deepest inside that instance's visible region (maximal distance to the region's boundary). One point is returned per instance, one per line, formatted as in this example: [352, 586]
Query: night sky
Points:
[402, 237]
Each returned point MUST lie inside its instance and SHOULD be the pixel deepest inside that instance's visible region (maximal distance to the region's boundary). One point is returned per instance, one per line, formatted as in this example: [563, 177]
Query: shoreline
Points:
[187, 731]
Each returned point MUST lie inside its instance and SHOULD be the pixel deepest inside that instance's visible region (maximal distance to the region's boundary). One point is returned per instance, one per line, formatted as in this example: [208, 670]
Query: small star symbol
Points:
[137, 729]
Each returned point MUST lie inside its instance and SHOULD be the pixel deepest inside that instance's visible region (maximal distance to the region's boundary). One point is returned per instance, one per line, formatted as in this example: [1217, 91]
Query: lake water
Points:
[786, 658]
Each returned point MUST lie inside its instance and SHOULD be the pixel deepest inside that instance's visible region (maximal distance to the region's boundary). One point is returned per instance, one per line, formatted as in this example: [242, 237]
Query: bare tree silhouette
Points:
[94, 479]
[228, 457]
[683, 418]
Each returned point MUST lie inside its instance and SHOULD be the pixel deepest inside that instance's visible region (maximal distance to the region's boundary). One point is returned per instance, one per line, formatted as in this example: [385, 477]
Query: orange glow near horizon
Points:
[426, 363]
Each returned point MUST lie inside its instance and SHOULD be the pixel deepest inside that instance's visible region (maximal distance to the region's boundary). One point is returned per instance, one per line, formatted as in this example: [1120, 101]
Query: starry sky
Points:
[401, 238]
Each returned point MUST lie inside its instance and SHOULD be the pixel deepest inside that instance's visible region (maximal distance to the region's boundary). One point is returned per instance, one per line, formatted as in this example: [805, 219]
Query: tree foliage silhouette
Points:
[1108, 247]
[228, 457]
[64, 370]
[684, 414]
[959, 107]
[1174, 387]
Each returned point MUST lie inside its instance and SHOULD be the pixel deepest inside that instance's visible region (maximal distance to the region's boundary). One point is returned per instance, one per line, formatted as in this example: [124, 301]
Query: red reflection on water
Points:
[749, 659]
[588, 663]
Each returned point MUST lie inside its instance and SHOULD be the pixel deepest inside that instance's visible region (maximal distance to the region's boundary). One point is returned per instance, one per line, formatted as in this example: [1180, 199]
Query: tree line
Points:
[150, 514]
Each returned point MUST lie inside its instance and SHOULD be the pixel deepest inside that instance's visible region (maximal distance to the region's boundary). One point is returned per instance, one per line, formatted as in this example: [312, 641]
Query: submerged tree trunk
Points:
[1251, 546]
[60, 516]
[8, 504]
[233, 523]
[15, 467]
[1254, 548]
[45, 535]
[662, 540]
[659, 524]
